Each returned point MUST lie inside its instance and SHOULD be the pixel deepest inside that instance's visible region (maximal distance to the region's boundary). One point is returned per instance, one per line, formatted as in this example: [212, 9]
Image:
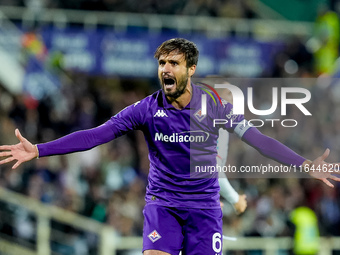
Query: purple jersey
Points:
[178, 142]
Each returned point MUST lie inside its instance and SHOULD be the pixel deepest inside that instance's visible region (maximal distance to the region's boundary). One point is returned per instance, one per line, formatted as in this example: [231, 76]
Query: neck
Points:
[184, 99]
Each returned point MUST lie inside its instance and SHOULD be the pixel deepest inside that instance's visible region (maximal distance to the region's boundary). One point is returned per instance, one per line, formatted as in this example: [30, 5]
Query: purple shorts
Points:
[190, 230]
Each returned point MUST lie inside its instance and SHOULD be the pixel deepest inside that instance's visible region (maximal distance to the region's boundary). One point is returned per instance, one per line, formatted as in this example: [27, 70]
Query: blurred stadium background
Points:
[67, 65]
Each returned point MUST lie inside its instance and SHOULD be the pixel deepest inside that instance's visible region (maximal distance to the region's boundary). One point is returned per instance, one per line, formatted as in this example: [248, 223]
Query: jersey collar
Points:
[194, 102]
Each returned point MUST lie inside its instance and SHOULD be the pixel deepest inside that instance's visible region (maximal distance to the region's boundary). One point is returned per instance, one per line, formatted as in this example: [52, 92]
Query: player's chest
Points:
[178, 120]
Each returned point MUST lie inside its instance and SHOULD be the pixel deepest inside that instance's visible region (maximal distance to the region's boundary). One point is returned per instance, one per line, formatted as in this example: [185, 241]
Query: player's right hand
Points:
[241, 205]
[22, 152]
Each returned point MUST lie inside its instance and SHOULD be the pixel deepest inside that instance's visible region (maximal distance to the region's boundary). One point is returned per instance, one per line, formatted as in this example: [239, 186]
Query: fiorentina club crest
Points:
[154, 236]
[199, 116]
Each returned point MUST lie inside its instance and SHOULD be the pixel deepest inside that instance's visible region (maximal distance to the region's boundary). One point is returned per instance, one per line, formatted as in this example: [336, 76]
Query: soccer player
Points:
[182, 210]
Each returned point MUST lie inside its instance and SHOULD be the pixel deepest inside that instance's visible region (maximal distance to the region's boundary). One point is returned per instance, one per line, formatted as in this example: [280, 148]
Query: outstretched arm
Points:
[272, 148]
[77, 141]
[128, 119]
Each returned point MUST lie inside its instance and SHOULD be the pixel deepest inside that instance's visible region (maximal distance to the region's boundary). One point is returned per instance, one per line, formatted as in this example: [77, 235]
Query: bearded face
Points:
[173, 74]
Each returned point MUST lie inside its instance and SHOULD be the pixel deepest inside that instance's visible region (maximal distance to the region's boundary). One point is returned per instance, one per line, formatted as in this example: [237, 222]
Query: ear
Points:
[191, 70]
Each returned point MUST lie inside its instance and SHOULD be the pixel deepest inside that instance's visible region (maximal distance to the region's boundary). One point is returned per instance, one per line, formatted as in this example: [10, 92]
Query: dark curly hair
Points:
[184, 46]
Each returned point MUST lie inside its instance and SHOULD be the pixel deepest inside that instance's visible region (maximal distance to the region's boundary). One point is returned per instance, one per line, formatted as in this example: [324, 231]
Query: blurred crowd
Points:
[220, 8]
[106, 183]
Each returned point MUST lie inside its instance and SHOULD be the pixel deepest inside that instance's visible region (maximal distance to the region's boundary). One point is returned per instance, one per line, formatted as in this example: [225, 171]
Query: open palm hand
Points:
[21, 152]
[321, 170]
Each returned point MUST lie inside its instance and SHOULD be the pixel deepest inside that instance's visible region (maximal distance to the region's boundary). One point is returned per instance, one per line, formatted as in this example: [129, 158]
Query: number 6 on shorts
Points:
[217, 242]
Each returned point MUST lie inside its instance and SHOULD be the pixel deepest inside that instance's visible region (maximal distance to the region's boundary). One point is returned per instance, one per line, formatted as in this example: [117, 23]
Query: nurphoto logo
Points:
[239, 104]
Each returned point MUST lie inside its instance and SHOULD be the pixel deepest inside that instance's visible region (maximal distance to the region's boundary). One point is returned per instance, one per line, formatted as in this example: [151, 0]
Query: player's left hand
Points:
[321, 170]
[241, 205]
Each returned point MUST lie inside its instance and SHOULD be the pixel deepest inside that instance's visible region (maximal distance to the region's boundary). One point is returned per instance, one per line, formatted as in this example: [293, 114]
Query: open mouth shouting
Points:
[174, 87]
[169, 83]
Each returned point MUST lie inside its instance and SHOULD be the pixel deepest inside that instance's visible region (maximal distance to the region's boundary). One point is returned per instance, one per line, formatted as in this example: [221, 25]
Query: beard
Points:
[181, 85]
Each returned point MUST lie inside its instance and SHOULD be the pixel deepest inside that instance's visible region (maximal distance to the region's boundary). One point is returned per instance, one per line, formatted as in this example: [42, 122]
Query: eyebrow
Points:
[177, 61]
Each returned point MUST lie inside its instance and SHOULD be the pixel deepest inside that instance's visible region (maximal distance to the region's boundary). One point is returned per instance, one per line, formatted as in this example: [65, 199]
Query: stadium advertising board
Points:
[128, 54]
